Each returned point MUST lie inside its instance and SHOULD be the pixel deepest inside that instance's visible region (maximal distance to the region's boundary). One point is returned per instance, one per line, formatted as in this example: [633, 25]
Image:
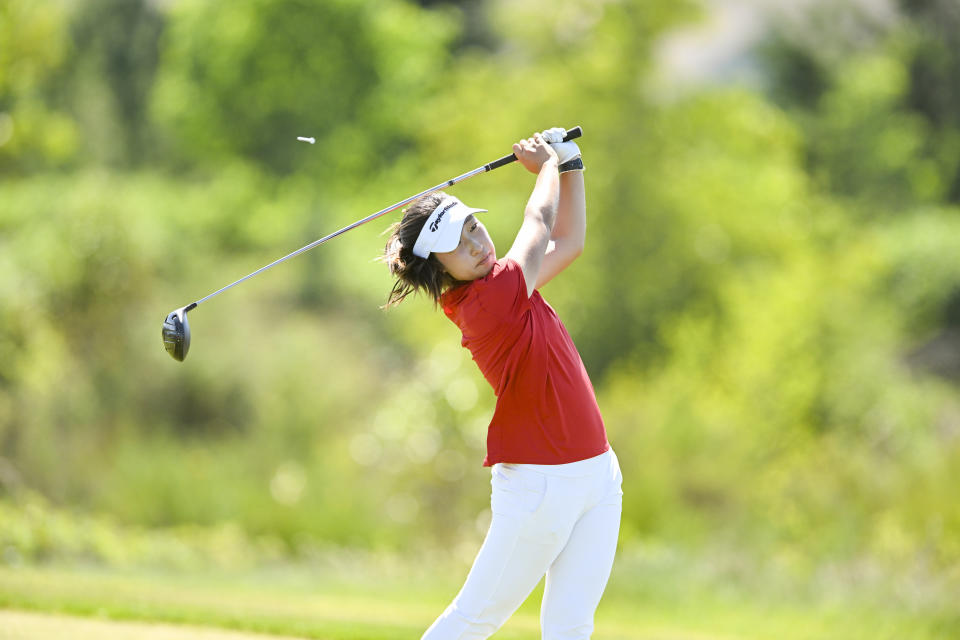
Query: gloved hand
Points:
[566, 151]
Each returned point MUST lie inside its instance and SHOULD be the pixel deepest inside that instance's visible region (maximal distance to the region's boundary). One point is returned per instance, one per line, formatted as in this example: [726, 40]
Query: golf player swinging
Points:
[556, 496]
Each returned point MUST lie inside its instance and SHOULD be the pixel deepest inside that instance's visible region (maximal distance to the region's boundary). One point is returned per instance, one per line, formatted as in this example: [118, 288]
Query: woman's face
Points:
[474, 256]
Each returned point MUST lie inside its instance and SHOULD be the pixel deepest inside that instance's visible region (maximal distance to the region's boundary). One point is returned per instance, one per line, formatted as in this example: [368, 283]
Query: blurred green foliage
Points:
[769, 303]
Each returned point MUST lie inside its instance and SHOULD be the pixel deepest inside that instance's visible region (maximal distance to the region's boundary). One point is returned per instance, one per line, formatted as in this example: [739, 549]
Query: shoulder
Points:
[502, 293]
[504, 273]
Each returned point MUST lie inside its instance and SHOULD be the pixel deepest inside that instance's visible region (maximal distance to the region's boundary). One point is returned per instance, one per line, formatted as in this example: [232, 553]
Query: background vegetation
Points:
[769, 302]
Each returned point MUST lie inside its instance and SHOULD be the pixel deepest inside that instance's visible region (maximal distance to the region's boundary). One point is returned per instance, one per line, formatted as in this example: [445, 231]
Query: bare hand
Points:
[534, 152]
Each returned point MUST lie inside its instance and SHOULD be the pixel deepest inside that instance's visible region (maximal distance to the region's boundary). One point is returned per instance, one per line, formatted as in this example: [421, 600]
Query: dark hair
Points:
[413, 273]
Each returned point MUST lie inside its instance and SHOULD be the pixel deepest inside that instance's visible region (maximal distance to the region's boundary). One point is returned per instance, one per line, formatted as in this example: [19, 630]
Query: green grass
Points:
[29, 625]
[376, 601]
[264, 603]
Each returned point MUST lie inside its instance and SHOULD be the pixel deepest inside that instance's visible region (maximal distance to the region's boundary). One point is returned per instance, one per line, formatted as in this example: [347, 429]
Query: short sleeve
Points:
[498, 299]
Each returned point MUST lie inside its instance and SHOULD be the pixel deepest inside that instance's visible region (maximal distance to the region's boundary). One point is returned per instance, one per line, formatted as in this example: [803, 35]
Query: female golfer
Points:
[556, 497]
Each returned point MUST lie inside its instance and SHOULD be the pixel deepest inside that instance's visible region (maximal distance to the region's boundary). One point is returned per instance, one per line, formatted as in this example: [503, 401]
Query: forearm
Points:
[539, 216]
[570, 227]
[544, 201]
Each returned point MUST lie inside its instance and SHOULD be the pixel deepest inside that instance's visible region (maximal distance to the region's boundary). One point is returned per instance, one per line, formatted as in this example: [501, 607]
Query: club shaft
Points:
[372, 216]
[571, 133]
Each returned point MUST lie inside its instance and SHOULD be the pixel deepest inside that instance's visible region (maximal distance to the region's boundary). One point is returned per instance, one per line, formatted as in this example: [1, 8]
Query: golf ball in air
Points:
[303, 139]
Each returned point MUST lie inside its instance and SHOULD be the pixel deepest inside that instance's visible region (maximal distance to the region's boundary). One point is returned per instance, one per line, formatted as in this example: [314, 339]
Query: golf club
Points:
[176, 329]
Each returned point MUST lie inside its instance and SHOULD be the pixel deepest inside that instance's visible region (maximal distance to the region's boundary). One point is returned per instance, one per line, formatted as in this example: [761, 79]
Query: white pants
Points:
[558, 520]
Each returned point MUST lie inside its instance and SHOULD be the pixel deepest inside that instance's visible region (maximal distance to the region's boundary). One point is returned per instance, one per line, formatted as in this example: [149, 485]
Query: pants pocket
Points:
[516, 492]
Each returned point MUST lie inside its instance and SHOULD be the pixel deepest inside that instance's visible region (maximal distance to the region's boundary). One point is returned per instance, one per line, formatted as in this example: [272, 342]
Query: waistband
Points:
[569, 470]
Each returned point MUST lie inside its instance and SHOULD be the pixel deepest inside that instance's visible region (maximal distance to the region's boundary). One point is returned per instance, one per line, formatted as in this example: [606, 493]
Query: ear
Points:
[436, 262]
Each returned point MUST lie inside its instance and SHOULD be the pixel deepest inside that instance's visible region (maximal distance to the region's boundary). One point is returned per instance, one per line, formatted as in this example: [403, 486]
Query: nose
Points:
[475, 246]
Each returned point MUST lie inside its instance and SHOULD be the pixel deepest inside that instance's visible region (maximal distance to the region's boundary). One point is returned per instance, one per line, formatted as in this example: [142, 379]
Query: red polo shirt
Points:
[546, 410]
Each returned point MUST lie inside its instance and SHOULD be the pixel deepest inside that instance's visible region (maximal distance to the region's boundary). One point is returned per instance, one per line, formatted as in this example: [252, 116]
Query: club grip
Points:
[574, 132]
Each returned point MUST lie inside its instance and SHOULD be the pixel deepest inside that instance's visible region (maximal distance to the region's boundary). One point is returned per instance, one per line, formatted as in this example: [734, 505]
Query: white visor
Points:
[441, 231]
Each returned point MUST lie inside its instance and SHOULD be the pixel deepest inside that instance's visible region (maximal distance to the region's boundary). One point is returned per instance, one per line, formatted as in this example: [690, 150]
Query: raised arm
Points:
[569, 230]
[530, 245]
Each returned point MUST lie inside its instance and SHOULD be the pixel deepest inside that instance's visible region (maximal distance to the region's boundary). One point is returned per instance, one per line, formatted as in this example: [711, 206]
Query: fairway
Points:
[21, 625]
[87, 602]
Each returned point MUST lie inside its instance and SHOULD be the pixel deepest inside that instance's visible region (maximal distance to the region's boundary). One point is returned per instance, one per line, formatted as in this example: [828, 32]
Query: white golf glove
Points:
[566, 151]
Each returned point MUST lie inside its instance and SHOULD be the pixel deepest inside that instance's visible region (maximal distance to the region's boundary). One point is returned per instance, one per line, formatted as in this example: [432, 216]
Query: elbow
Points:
[543, 218]
[575, 249]
[570, 252]
[544, 214]
[570, 248]
[548, 215]
[578, 248]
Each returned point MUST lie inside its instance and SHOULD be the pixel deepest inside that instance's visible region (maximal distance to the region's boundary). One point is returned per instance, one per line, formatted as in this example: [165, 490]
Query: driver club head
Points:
[176, 333]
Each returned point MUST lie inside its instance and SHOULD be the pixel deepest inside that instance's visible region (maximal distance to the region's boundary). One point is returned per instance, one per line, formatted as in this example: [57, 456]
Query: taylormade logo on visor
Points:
[441, 232]
[436, 223]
